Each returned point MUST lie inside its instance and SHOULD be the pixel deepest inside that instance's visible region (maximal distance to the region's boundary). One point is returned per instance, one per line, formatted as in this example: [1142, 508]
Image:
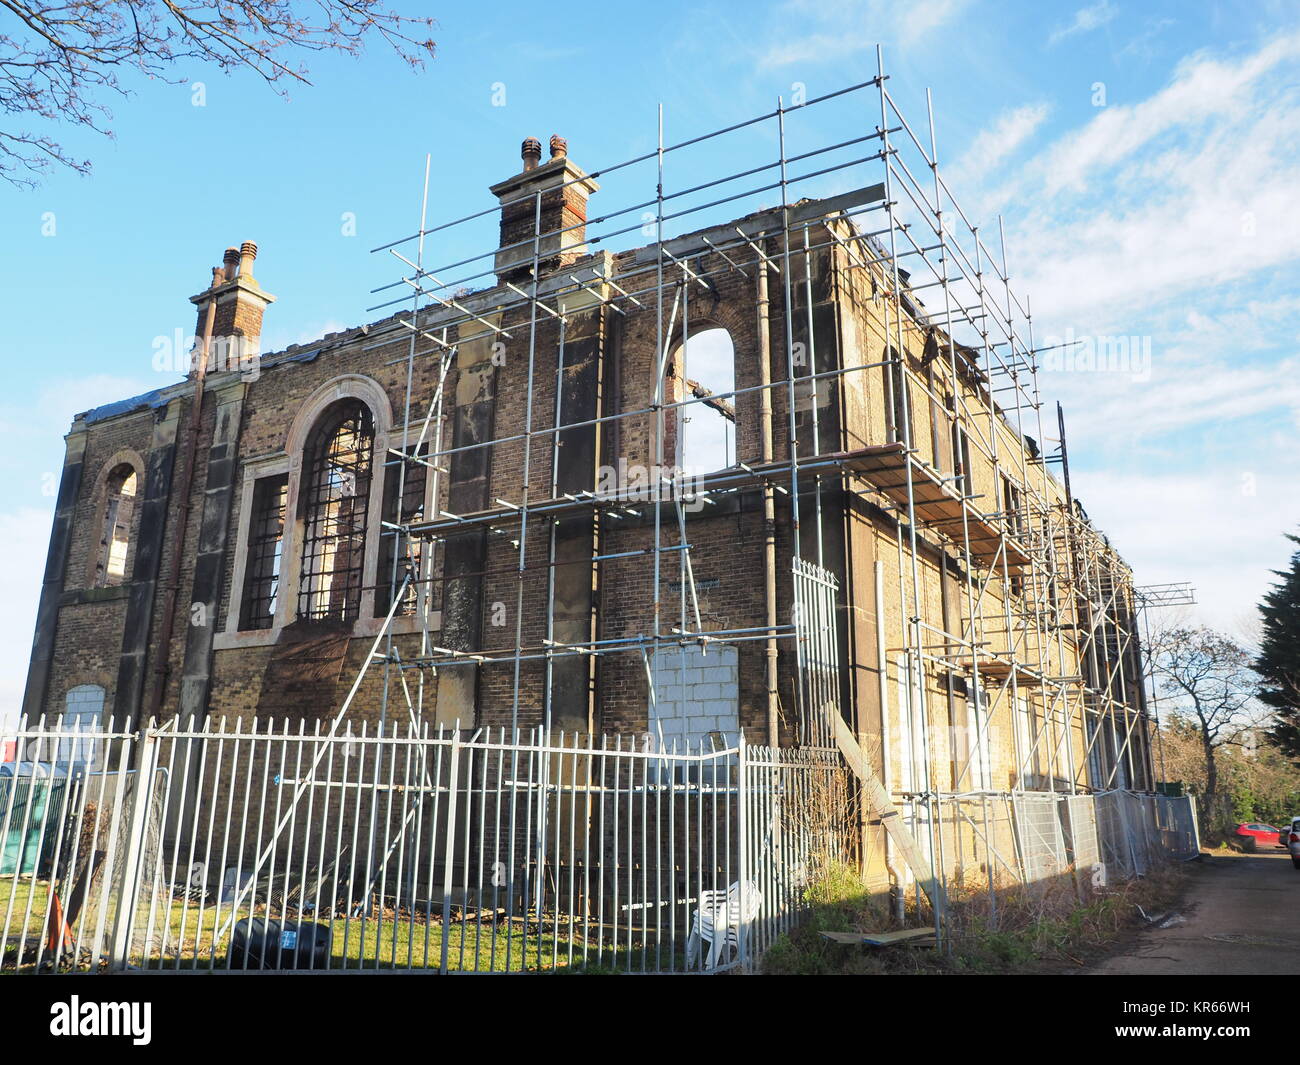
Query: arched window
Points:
[83, 713]
[115, 536]
[706, 365]
[336, 474]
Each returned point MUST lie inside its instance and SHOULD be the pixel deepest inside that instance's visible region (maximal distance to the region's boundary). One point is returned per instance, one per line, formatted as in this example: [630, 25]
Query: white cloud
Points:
[820, 31]
[1175, 398]
[62, 400]
[1144, 45]
[918, 19]
[1202, 89]
[994, 145]
[1173, 218]
[31, 473]
[1181, 193]
[1205, 527]
[1086, 19]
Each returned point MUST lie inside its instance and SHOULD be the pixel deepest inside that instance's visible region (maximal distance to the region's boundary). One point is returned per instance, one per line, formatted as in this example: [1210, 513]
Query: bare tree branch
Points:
[1209, 679]
[59, 60]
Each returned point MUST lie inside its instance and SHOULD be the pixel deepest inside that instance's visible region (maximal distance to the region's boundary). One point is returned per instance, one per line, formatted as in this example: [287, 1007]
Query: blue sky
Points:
[1146, 159]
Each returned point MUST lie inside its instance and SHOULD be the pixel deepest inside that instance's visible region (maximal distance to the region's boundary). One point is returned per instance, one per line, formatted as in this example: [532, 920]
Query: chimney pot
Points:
[247, 253]
[237, 303]
[543, 213]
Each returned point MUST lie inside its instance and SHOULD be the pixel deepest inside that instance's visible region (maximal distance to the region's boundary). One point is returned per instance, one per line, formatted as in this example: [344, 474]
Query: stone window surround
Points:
[290, 460]
[99, 505]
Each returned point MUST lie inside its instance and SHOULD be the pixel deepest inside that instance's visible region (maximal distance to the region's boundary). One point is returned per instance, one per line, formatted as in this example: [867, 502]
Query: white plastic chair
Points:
[720, 922]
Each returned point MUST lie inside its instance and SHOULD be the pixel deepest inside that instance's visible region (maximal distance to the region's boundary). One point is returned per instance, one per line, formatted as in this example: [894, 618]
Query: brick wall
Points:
[852, 327]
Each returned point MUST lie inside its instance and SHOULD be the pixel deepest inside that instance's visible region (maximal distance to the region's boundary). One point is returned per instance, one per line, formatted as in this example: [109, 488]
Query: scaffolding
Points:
[923, 578]
[1039, 619]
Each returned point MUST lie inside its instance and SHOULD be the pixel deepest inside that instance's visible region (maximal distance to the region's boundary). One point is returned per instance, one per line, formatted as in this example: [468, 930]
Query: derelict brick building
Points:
[506, 464]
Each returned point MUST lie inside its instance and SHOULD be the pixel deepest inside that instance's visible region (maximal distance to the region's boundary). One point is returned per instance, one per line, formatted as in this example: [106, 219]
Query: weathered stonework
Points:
[598, 370]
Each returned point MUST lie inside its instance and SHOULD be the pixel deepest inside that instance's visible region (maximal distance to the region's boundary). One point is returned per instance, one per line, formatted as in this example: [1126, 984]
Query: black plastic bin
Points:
[258, 943]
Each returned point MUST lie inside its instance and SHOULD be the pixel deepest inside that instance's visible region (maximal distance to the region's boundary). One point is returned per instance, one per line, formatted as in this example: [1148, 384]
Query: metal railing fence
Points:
[259, 845]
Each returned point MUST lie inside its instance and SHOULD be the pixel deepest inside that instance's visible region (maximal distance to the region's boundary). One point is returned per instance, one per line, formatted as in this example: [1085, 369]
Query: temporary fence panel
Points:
[1083, 846]
[1031, 838]
[65, 911]
[1135, 831]
[1038, 835]
[1176, 820]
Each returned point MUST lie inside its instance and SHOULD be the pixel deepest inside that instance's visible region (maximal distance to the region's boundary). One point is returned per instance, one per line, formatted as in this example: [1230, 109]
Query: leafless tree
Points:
[60, 61]
[1208, 679]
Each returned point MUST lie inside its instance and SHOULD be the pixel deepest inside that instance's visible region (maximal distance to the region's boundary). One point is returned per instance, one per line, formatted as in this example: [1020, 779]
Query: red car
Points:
[1252, 833]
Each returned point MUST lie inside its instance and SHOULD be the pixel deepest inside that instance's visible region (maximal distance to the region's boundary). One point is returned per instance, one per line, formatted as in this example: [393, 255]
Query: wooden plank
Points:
[935, 503]
[1025, 676]
[880, 804]
[834, 204]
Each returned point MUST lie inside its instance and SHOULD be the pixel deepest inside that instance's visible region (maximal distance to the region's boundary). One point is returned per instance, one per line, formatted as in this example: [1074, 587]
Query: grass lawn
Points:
[188, 935]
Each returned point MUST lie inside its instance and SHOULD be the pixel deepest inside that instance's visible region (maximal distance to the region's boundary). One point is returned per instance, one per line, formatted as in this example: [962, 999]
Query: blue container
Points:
[34, 824]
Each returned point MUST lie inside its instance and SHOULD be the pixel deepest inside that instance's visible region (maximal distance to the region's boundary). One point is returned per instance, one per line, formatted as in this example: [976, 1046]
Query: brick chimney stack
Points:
[564, 188]
[240, 303]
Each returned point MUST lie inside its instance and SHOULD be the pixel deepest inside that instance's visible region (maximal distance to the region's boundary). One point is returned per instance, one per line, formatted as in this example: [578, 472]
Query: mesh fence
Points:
[1039, 837]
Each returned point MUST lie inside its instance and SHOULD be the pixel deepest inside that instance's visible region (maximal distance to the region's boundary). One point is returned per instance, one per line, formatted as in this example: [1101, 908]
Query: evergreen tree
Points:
[1278, 664]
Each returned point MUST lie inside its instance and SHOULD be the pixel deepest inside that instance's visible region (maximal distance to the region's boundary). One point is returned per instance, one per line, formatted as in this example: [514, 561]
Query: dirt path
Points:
[1239, 916]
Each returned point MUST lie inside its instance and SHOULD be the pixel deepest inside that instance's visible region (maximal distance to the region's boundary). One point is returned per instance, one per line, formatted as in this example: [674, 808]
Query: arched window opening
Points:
[707, 365]
[337, 467]
[83, 713]
[115, 539]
